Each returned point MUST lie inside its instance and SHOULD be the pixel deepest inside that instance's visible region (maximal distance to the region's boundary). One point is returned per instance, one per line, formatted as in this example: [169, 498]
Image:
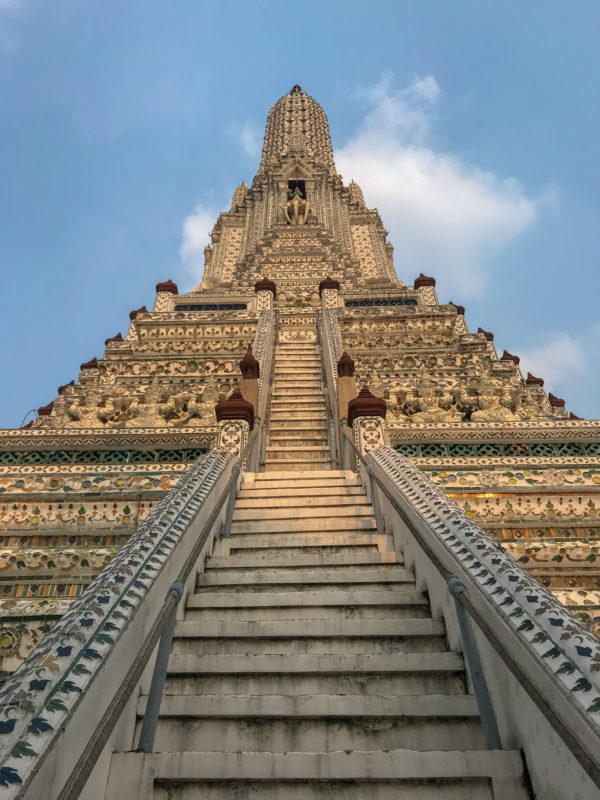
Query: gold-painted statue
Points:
[297, 208]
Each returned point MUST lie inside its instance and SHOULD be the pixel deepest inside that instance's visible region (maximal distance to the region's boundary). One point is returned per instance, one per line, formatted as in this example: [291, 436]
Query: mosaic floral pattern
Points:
[37, 700]
[561, 645]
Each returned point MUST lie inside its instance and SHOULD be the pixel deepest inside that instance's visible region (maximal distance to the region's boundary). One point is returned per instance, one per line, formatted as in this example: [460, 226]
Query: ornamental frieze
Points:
[541, 508]
[35, 516]
[88, 482]
[542, 479]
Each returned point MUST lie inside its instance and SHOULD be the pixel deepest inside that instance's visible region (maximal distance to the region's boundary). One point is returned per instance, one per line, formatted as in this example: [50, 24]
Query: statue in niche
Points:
[89, 411]
[147, 411]
[434, 405]
[494, 403]
[184, 408]
[297, 208]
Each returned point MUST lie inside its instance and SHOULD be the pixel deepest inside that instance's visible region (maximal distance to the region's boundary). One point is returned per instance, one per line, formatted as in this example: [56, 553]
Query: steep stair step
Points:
[289, 510]
[443, 775]
[337, 523]
[299, 561]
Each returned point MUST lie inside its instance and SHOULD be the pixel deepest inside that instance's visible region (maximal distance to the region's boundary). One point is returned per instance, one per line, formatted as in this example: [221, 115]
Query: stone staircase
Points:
[308, 665]
[298, 419]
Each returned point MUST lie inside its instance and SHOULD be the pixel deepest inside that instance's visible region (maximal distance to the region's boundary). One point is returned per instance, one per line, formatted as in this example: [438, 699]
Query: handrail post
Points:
[375, 500]
[255, 449]
[346, 464]
[235, 471]
[482, 695]
[159, 675]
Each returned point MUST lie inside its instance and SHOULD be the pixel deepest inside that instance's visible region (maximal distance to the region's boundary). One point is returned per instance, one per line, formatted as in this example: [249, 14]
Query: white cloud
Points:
[561, 357]
[248, 136]
[446, 217]
[195, 236]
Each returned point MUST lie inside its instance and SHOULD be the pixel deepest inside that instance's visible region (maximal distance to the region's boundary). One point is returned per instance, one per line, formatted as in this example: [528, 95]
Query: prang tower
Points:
[297, 253]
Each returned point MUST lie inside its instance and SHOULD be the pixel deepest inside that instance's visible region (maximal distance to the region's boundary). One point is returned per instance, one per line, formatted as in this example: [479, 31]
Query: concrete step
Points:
[296, 454]
[297, 612]
[346, 524]
[299, 424]
[304, 498]
[299, 543]
[282, 404]
[315, 706]
[307, 599]
[317, 439]
[352, 775]
[286, 416]
[318, 430]
[293, 475]
[349, 645]
[303, 501]
[251, 491]
[284, 466]
[341, 630]
[411, 673]
[301, 382]
[295, 510]
[241, 733]
[294, 607]
[321, 483]
[296, 561]
[294, 393]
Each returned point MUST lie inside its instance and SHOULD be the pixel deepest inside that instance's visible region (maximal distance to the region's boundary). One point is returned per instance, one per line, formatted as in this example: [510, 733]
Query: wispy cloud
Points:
[446, 217]
[248, 136]
[559, 358]
[568, 364]
[195, 236]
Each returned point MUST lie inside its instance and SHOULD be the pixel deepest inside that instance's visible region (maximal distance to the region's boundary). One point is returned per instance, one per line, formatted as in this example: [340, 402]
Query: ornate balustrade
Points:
[542, 667]
[72, 681]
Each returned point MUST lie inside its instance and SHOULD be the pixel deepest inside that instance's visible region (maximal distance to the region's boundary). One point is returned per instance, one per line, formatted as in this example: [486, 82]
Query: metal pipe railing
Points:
[330, 394]
[164, 622]
[468, 609]
[266, 405]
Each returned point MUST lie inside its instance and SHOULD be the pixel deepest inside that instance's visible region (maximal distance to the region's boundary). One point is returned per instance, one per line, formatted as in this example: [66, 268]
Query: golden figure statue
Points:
[297, 208]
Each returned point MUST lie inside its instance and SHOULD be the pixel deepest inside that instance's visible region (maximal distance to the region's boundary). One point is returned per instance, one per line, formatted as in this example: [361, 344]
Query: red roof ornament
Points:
[460, 310]
[117, 338]
[167, 286]
[423, 280]
[555, 402]
[345, 366]
[249, 366]
[65, 386]
[366, 405]
[329, 283]
[574, 417]
[265, 285]
[531, 380]
[45, 411]
[489, 336]
[506, 356]
[93, 364]
[235, 407]
[133, 314]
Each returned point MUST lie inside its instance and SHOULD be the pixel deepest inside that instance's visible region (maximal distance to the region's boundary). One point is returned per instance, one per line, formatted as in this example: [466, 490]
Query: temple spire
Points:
[297, 125]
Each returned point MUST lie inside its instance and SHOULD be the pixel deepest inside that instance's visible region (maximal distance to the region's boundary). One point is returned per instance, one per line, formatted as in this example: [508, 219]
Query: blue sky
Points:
[125, 127]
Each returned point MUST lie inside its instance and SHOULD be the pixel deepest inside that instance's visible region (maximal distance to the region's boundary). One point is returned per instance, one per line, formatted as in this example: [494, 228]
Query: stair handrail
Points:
[456, 546]
[167, 524]
[263, 348]
[330, 391]
[267, 392]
